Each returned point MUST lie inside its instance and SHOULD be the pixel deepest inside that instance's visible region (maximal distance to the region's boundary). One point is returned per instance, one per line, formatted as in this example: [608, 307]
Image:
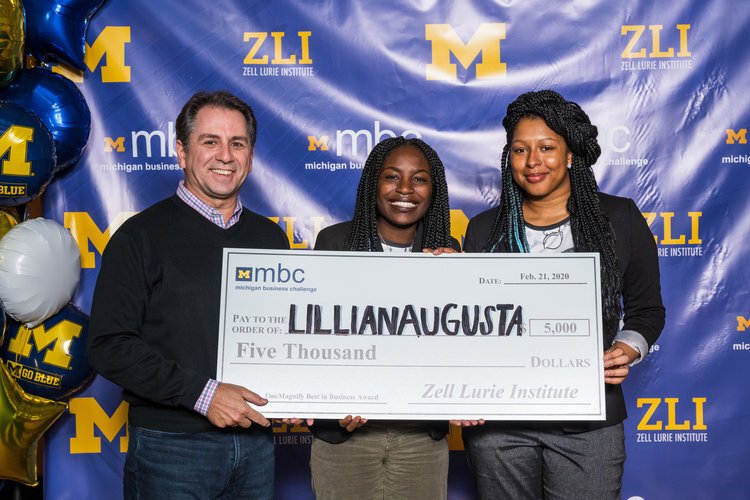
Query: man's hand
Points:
[230, 408]
[616, 362]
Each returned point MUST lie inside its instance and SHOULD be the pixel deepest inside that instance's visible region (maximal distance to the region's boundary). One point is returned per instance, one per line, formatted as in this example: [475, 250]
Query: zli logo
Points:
[649, 422]
[260, 37]
[656, 52]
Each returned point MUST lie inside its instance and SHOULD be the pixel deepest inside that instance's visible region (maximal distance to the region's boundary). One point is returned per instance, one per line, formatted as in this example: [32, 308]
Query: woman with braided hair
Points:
[551, 203]
[402, 206]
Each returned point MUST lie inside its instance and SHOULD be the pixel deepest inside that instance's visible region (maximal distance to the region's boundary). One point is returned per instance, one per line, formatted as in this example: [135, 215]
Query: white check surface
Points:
[287, 319]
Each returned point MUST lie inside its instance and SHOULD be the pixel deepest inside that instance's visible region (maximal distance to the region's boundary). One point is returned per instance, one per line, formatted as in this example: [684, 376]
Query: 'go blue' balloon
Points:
[57, 28]
[27, 155]
[49, 360]
[59, 105]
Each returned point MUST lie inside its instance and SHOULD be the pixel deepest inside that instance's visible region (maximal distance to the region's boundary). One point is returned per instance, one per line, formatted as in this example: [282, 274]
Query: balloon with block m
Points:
[51, 359]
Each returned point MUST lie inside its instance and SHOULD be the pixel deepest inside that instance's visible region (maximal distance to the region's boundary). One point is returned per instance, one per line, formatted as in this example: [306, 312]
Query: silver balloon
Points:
[39, 270]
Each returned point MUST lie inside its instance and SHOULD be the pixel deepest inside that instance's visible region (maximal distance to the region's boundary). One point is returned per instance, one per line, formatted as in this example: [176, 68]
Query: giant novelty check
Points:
[414, 336]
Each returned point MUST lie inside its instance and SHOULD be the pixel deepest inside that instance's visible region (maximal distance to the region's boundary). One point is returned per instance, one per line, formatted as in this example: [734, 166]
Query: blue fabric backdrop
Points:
[666, 82]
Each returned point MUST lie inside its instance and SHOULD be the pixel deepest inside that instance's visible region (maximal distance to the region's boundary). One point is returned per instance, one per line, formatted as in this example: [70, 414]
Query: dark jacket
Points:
[641, 291]
[334, 238]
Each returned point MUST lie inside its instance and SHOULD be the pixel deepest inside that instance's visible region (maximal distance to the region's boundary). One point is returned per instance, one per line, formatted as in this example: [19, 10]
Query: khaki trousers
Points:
[393, 461]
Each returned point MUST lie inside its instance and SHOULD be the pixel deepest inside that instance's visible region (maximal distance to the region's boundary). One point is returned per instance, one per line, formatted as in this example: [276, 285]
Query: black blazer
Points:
[334, 238]
[641, 291]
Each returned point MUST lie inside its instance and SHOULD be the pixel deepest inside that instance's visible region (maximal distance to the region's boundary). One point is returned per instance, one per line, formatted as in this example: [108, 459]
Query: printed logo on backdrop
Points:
[291, 435]
[86, 233]
[92, 422]
[349, 143]
[655, 47]
[743, 325]
[141, 151]
[107, 54]
[482, 51]
[677, 234]
[736, 138]
[277, 54]
[286, 435]
[671, 420]
[620, 145]
[89, 236]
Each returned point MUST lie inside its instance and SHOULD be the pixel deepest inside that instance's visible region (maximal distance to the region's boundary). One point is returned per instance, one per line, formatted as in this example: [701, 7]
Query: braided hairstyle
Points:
[590, 227]
[436, 220]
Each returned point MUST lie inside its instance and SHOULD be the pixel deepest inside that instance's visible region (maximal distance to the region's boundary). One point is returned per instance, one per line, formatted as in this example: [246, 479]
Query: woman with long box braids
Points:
[402, 206]
[551, 203]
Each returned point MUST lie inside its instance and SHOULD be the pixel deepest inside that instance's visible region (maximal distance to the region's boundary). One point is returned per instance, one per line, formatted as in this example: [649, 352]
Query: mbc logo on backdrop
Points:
[484, 45]
[106, 53]
[353, 143]
[277, 54]
[159, 143]
[672, 420]
[618, 143]
[655, 47]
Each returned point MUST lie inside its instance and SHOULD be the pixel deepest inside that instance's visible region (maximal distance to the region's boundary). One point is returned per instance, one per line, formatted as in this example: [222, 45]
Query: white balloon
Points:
[40, 266]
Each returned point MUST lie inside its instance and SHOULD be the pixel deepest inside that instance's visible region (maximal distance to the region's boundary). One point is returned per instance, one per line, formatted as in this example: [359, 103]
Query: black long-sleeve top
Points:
[155, 314]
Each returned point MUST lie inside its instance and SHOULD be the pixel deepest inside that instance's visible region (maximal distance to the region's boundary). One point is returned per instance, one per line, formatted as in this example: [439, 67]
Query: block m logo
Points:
[110, 46]
[90, 415]
[485, 41]
[736, 136]
[84, 230]
[55, 342]
[315, 143]
[14, 141]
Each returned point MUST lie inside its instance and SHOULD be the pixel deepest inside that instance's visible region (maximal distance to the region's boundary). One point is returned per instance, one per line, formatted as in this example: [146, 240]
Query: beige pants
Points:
[379, 462]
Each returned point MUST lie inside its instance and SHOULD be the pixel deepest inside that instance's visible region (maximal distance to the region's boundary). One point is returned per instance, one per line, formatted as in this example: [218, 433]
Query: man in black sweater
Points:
[155, 318]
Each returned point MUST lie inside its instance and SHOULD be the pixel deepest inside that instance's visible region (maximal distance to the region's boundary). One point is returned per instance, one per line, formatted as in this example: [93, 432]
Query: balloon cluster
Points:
[44, 127]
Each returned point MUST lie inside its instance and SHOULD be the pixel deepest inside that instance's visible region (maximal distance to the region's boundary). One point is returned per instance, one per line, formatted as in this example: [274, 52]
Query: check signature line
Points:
[380, 366]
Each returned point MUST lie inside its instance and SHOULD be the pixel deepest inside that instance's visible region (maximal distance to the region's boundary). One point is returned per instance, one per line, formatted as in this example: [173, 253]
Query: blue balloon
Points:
[59, 104]
[51, 359]
[57, 28]
[27, 155]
